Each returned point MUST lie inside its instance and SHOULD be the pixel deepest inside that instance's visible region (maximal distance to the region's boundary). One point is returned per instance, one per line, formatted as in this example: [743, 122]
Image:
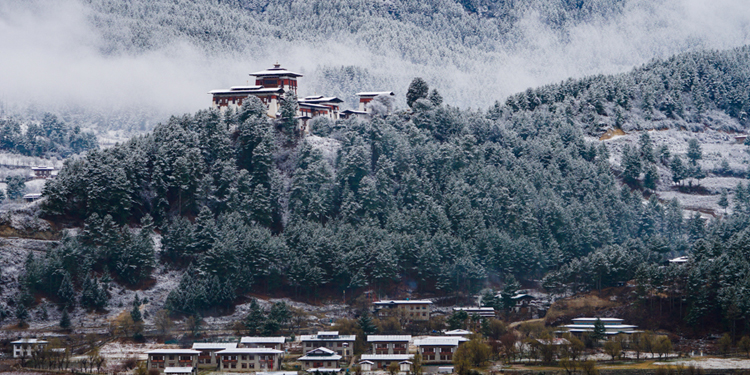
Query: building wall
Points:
[336, 346]
[160, 361]
[249, 362]
[437, 354]
[416, 312]
[26, 350]
[390, 347]
[322, 363]
[262, 345]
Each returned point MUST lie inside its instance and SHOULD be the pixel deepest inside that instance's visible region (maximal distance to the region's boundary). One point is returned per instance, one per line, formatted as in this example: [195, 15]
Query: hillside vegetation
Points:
[437, 198]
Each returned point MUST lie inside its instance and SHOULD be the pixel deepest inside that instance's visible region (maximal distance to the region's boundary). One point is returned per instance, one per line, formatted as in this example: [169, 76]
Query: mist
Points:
[53, 57]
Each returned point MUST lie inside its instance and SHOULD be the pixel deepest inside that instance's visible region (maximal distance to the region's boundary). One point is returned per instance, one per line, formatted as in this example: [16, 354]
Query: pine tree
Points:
[723, 200]
[22, 314]
[679, 172]
[66, 293]
[135, 313]
[418, 89]
[204, 231]
[365, 324]
[254, 320]
[651, 177]
[15, 187]
[435, 98]
[288, 119]
[599, 331]
[631, 164]
[65, 319]
[694, 152]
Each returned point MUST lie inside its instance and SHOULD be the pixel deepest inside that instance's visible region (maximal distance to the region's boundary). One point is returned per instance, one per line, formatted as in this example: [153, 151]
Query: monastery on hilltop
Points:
[270, 86]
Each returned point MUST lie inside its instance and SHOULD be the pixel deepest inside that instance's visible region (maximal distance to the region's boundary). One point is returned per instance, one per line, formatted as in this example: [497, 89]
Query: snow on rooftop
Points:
[387, 357]
[403, 302]
[262, 340]
[249, 351]
[388, 338]
[439, 341]
[375, 93]
[214, 345]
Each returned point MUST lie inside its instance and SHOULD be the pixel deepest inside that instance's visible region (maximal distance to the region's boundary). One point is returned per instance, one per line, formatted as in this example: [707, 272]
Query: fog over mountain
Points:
[116, 63]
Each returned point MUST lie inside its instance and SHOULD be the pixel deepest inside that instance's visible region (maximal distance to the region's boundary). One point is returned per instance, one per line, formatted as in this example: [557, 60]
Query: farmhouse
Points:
[413, 310]
[250, 359]
[389, 344]
[27, 347]
[161, 359]
[340, 344]
[207, 357]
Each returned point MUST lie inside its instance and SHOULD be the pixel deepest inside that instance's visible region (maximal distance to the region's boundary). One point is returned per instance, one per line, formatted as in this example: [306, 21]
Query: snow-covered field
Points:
[710, 363]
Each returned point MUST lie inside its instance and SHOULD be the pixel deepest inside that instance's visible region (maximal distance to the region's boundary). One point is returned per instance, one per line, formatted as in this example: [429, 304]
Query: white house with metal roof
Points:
[389, 344]
[382, 361]
[438, 349]
[413, 310]
[207, 357]
[320, 358]
[25, 347]
[249, 359]
[612, 326]
[161, 359]
[273, 342]
[343, 345]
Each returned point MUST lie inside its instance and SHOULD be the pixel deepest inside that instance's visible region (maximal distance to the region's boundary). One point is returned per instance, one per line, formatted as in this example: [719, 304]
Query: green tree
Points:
[135, 313]
[694, 152]
[65, 320]
[679, 172]
[723, 200]
[458, 319]
[599, 331]
[254, 319]
[366, 324]
[418, 89]
[15, 187]
[724, 344]
[288, 119]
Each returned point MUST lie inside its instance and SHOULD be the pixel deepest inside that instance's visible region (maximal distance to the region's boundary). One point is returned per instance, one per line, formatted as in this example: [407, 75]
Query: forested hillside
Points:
[436, 197]
[49, 138]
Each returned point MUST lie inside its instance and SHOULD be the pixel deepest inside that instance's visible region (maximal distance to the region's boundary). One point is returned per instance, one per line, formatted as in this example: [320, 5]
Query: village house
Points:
[412, 310]
[389, 344]
[250, 359]
[263, 342]
[612, 326]
[320, 358]
[382, 361]
[342, 345]
[207, 357]
[438, 349]
[26, 347]
[43, 172]
[162, 359]
[485, 312]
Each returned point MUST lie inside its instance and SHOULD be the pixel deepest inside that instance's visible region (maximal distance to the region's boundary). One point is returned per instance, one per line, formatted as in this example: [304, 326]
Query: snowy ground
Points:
[710, 363]
[717, 146]
[116, 351]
